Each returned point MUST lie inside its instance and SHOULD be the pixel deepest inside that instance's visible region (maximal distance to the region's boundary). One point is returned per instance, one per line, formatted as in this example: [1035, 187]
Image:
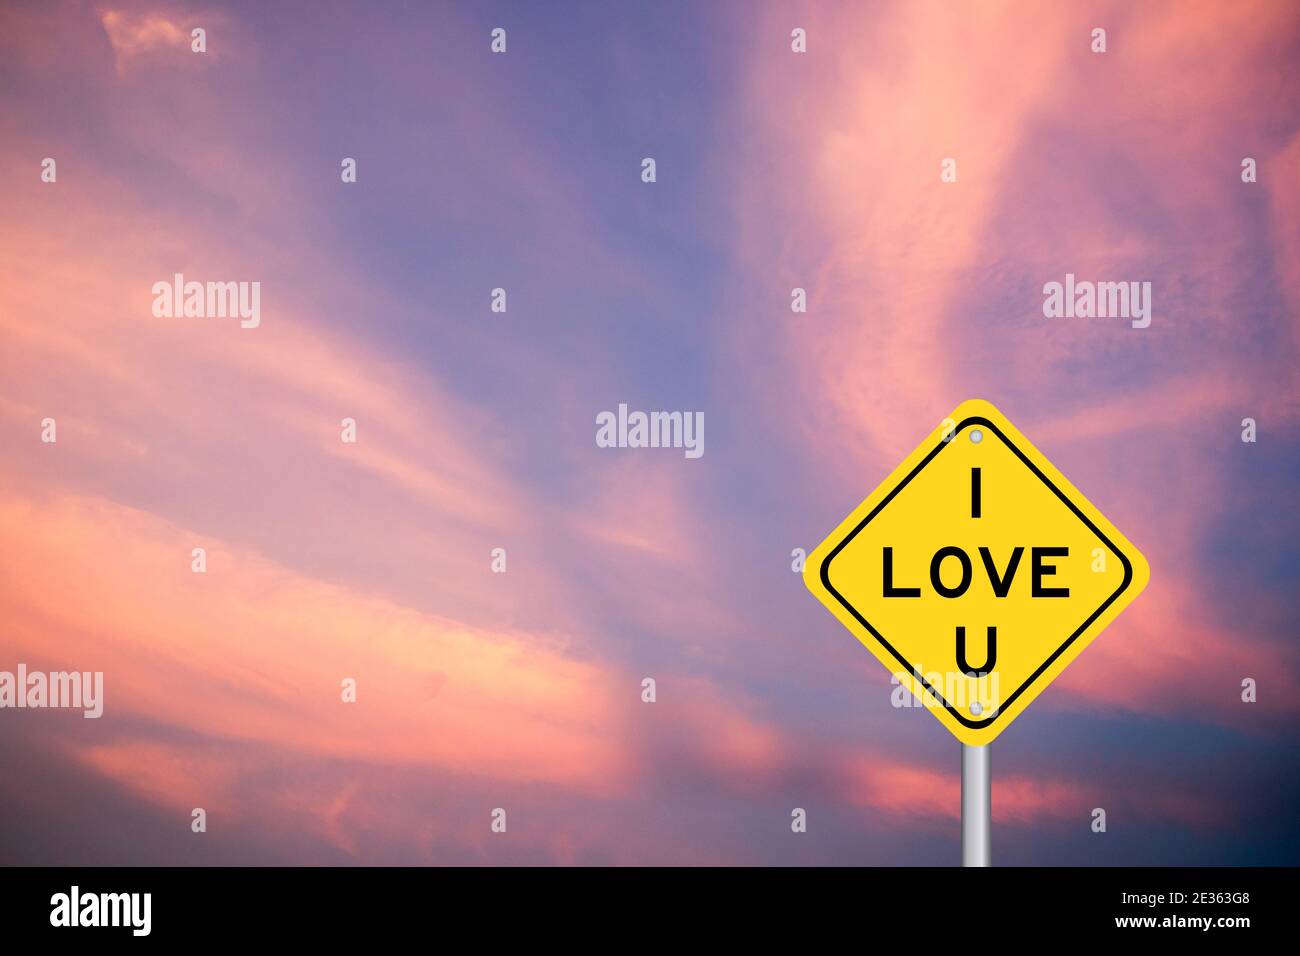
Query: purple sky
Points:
[372, 561]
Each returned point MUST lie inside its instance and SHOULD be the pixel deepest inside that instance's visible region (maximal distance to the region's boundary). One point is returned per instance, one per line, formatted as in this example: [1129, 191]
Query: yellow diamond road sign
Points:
[976, 572]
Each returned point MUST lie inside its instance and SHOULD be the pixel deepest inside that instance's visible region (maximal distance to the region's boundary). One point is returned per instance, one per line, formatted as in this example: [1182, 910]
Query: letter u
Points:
[990, 654]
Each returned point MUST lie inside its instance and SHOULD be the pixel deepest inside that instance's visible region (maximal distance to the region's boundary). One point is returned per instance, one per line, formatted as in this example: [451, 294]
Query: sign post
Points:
[976, 573]
[976, 806]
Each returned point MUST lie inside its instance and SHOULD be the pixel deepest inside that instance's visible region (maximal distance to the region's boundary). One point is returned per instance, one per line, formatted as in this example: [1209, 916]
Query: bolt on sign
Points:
[976, 572]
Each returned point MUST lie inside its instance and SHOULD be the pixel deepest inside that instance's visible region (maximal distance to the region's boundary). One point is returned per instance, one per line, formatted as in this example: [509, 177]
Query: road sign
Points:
[976, 572]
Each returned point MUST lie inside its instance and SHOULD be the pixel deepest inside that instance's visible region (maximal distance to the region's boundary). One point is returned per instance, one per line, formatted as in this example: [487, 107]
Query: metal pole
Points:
[976, 806]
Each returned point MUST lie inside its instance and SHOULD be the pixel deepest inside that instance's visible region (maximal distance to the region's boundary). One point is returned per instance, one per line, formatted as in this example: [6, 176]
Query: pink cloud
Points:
[252, 651]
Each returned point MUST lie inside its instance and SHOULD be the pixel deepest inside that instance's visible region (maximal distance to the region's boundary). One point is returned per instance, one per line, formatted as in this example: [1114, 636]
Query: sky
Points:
[372, 561]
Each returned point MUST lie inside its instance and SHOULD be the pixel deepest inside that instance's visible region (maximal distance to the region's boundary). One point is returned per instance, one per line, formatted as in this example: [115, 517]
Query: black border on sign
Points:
[961, 718]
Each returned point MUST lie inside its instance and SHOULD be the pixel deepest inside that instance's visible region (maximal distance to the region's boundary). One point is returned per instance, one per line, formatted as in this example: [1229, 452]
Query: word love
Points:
[999, 580]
